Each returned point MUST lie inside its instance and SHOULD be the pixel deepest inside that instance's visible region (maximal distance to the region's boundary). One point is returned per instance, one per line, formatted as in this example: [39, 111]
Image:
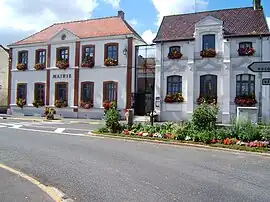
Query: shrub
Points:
[265, 132]
[112, 118]
[204, 117]
[206, 136]
[103, 130]
[49, 113]
[223, 133]
[247, 131]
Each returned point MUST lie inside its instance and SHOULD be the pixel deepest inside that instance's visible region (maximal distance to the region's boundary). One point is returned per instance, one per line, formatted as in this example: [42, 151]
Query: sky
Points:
[21, 18]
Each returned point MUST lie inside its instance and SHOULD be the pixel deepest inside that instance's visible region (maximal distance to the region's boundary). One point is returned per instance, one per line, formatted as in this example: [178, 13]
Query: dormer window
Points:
[245, 49]
[209, 42]
[174, 52]
[62, 55]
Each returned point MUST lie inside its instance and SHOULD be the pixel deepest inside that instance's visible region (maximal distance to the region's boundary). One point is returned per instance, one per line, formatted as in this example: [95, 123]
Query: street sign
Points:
[260, 66]
[266, 81]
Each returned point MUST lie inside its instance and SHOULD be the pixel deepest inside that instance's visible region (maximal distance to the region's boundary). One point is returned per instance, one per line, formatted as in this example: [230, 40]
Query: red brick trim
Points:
[105, 50]
[36, 55]
[116, 86]
[48, 79]
[88, 46]
[76, 74]
[129, 73]
[9, 76]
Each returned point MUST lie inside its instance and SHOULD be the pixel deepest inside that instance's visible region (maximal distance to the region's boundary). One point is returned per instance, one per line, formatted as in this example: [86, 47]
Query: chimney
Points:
[121, 14]
[257, 5]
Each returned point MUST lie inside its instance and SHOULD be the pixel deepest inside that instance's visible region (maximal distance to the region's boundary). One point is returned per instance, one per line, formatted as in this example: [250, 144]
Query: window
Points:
[40, 92]
[41, 56]
[245, 84]
[111, 51]
[21, 91]
[87, 92]
[88, 52]
[62, 54]
[245, 45]
[110, 91]
[61, 91]
[174, 84]
[23, 57]
[208, 41]
[175, 48]
[208, 85]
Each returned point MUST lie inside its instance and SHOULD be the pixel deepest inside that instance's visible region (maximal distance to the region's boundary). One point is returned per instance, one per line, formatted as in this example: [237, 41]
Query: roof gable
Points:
[63, 34]
[236, 22]
[209, 20]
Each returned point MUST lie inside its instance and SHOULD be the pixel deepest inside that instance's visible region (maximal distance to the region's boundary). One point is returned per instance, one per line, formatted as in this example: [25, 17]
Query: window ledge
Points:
[28, 70]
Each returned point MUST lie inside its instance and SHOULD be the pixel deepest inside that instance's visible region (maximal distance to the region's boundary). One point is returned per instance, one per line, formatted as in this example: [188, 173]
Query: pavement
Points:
[14, 188]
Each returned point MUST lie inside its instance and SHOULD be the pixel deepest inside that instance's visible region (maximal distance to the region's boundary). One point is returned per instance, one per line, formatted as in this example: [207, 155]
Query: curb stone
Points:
[180, 144]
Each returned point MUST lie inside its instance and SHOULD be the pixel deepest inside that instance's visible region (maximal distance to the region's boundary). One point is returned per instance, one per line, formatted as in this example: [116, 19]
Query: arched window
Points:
[174, 84]
[245, 84]
[208, 85]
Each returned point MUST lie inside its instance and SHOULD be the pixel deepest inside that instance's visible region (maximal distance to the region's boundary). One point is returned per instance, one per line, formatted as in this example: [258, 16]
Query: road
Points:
[101, 169]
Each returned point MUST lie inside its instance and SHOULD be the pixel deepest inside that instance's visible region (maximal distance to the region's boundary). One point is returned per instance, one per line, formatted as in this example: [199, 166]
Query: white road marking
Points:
[16, 126]
[3, 126]
[59, 130]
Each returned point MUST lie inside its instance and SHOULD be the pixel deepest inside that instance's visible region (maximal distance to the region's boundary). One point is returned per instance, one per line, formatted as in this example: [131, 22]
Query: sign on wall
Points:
[61, 76]
[260, 66]
[266, 81]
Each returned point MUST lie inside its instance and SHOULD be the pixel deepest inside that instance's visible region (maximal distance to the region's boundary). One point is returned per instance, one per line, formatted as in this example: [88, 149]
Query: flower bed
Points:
[208, 100]
[21, 102]
[38, 103]
[21, 66]
[208, 53]
[60, 104]
[245, 101]
[86, 104]
[175, 55]
[246, 51]
[62, 64]
[174, 98]
[39, 66]
[110, 62]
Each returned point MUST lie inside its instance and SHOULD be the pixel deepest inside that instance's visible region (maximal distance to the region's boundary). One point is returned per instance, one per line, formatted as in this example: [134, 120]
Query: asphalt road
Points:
[99, 169]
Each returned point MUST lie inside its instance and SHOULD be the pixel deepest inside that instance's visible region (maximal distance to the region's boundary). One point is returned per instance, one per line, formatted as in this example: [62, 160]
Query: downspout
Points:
[260, 77]
[161, 78]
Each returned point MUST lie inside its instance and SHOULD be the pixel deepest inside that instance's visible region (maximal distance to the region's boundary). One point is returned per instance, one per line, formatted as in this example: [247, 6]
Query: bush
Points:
[103, 130]
[223, 133]
[205, 117]
[49, 113]
[246, 131]
[112, 118]
[206, 136]
[265, 132]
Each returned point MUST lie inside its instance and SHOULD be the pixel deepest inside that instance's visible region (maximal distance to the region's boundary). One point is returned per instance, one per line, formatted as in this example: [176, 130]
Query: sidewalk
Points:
[14, 188]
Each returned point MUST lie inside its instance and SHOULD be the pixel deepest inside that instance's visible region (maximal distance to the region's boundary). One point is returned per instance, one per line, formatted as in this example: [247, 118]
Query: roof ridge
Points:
[209, 11]
[75, 21]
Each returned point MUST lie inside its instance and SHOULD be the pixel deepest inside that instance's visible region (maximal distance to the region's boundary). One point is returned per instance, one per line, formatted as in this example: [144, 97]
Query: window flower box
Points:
[21, 66]
[175, 55]
[38, 103]
[174, 98]
[211, 100]
[39, 66]
[246, 51]
[62, 64]
[86, 104]
[88, 63]
[60, 103]
[110, 62]
[208, 53]
[245, 101]
[21, 102]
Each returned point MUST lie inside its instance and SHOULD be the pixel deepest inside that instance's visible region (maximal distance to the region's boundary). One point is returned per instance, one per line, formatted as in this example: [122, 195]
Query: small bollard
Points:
[129, 117]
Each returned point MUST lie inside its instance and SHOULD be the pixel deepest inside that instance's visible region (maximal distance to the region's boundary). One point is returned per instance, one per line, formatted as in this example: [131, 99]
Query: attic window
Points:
[63, 37]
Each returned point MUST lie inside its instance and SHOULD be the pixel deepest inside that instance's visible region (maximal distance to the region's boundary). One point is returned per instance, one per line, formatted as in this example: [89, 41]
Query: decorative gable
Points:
[64, 35]
[209, 21]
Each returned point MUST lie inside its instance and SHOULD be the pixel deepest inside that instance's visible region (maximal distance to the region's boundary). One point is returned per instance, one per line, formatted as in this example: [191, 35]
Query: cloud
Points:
[133, 22]
[176, 6]
[268, 21]
[148, 36]
[114, 3]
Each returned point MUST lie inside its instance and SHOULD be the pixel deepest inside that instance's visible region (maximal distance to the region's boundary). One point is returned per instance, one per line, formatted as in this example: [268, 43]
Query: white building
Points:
[66, 64]
[4, 52]
[231, 35]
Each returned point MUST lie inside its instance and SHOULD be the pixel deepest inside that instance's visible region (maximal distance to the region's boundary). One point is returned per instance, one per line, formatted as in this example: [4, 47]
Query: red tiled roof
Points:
[237, 21]
[109, 26]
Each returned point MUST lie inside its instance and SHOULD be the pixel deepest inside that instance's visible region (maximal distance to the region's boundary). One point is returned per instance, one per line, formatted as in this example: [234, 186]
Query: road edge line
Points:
[54, 193]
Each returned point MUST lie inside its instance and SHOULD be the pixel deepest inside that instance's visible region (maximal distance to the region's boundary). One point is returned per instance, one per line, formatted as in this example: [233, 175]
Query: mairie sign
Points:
[260, 66]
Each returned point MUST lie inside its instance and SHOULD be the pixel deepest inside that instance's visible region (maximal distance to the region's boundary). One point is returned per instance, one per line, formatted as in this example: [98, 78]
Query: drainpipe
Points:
[260, 77]
[161, 78]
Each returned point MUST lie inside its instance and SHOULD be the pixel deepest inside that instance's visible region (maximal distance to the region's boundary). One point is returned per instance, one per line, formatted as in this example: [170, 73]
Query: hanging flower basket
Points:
[86, 104]
[246, 51]
[60, 104]
[39, 66]
[207, 99]
[208, 53]
[174, 98]
[21, 102]
[62, 64]
[21, 66]
[175, 55]
[38, 103]
[88, 62]
[245, 101]
[110, 62]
